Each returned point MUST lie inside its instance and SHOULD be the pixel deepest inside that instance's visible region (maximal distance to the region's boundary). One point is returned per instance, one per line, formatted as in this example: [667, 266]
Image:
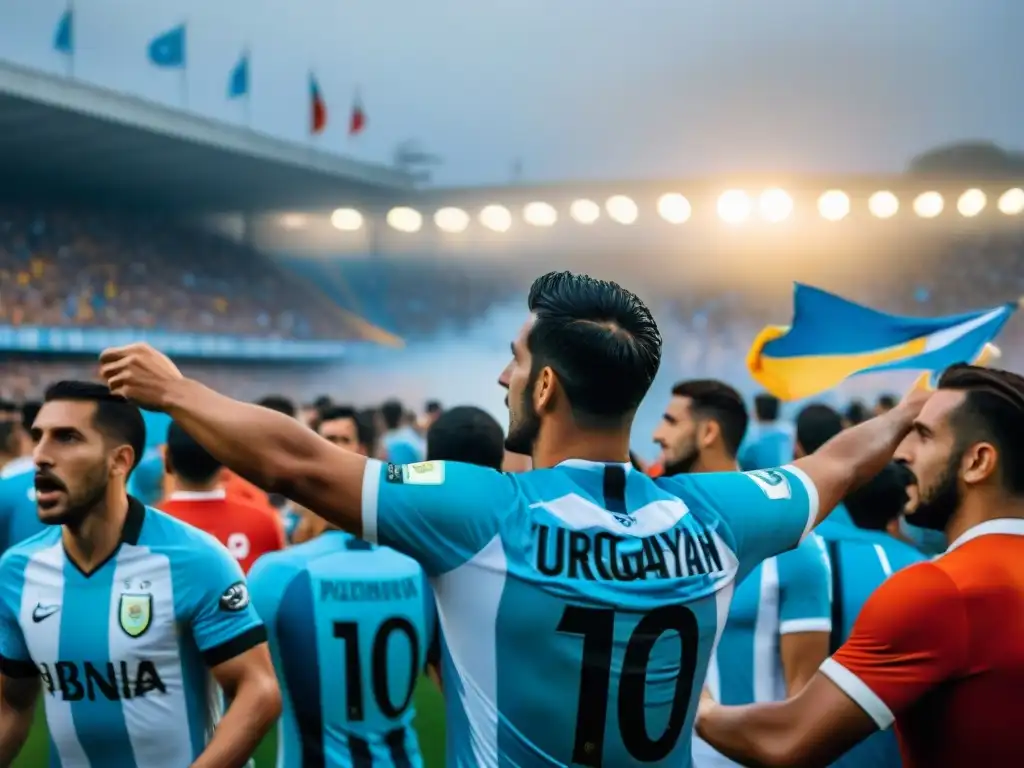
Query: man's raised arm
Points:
[277, 453]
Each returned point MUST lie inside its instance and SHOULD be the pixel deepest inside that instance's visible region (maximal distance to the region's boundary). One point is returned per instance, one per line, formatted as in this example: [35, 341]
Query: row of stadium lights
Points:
[734, 207]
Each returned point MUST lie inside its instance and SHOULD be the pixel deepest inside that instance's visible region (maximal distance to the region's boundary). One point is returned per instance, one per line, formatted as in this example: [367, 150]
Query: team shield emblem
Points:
[136, 613]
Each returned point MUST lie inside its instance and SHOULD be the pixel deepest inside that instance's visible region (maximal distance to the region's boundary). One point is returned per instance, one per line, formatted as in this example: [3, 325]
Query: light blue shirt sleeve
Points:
[439, 513]
[14, 656]
[805, 585]
[222, 611]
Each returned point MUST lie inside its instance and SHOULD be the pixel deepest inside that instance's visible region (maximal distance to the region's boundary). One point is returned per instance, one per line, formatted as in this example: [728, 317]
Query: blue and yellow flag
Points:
[832, 339]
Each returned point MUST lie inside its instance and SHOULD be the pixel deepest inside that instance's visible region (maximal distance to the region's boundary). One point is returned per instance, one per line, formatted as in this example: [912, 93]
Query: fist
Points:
[140, 373]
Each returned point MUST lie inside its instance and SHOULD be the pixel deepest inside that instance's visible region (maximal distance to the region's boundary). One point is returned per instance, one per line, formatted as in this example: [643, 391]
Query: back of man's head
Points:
[392, 412]
[766, 407]
[886, 402]
[279, 403]
[467, 434]
[816, 424]
[187, 459]
[856, 412]
[716, 401]
[600, 340]
[992, 412]
[880, 501]
[29, 411]
[115, 417]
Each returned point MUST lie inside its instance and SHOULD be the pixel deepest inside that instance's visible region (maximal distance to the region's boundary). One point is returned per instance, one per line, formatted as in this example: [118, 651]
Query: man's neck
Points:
[98, 535]
[980, 508]
[715, 462]
[601, 447]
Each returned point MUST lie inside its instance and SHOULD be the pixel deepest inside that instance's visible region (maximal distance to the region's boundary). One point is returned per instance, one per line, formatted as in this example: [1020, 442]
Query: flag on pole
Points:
[832, 339]
[318, 108]
[357, 119]
[238, 82]
[168, 49]
[64, 33]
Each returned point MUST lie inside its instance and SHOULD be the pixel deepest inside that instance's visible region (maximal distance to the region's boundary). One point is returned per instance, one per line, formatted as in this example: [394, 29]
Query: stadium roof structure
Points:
[62, 137]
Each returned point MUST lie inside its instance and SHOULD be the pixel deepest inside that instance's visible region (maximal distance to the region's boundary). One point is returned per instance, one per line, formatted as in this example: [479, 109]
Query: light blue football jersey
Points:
[146, 482]
[124, 653]
[19, 515]
[350, 626]
[579, 605]
[767, 445]
[861, 560]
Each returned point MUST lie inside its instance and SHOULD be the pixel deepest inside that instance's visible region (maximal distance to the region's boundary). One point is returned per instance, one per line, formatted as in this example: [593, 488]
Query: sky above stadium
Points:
[574, 89]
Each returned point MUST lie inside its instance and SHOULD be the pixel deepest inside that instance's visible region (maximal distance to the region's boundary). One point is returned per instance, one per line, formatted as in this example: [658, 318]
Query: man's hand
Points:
[139, 373]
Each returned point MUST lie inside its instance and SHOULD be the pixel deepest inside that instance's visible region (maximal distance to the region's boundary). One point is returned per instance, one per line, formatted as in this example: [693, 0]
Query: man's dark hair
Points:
[766, 407]
[8, 408]
[880, 500]
[278, 403]
[856, 413]
[992, 412]
[366, 432]
[323, 402]
[716, 400]
[433, 406]
[816, 424]
[392, 412]
[366, 420]
[115, 417]
[29, 411]
[887, 402]
[467, 434]
[600, 340]
[188, 459]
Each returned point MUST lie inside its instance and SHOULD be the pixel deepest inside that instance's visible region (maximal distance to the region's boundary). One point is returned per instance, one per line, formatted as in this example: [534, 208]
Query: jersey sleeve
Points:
[805, 603]
[15, 660]
[224, 623]
[439, 513]
[911, 636]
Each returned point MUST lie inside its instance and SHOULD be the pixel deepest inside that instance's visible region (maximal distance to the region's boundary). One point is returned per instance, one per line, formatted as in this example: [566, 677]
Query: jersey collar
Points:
[584, 464]
[1006, 526]
[217, 494]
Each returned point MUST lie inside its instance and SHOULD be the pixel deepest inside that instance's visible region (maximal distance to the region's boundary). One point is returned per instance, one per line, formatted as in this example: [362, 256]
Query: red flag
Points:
[357, 120]
[318, 108]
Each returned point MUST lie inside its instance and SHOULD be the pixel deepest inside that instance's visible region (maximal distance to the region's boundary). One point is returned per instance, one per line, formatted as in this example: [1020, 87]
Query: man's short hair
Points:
[816, 424]
[716, 400]
[433, 406]
[887, 401]
[992, 412]
[856, 413]
[601, 341]
[29, 411]
[115, 417]
[392, 412]
[766, 407]
[279, 403]
[8, 408]
[880, 500]
[467, 434]
[188, 459]
[366, 421]
[366, 431]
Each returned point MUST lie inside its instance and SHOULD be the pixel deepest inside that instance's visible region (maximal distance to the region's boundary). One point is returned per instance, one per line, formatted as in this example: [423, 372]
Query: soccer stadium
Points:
[369, 307]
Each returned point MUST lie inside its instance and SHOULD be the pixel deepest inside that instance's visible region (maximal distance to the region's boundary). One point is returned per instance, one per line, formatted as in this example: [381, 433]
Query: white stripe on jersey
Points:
[766, 637]
[648, 520]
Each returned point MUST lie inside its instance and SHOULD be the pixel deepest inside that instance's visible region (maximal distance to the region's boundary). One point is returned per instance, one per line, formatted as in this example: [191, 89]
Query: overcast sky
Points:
[577, 88]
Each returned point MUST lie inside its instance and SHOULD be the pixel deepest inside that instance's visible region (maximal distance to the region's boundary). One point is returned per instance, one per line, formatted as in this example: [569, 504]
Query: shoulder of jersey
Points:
[47, 537]
[17, 469]
[161, 528]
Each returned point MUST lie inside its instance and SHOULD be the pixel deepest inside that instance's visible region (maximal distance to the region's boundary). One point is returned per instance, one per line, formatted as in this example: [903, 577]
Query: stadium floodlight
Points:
[451, 220]
[585, 211]
[622, 209]
[776, 205]
[834, 205]
[496, 218]
[405, 219]
[540, 214]
[293, 221]
[971, 203]
[1011, 202]
[928, 205]
[674, 208]
[883, 204]
[734, 206]
[347, 219]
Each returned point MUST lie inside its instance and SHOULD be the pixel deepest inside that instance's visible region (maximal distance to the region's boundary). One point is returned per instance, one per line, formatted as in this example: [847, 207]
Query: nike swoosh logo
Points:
[43, 612]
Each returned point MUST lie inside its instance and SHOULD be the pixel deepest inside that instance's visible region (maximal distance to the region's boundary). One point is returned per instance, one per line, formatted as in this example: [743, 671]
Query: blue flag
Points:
[831, 339]
[238, 83]
[63, 36]
[168, 49]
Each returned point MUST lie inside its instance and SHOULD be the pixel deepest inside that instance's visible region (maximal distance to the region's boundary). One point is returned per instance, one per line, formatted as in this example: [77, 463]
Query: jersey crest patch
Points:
[421, 473]
[235, 597]
[772, 482]
[135, 613]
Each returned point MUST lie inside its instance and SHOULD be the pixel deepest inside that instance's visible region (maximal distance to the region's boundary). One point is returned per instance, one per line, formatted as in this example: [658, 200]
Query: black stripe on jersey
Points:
[18, 668]
[236, 646]
[300, 666]
[835, 639]
[615, 489]
[396, 740]
[359, 751]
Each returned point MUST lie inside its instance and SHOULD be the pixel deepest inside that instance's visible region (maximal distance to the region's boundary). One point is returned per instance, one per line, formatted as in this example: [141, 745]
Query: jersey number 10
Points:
[597, 627]
[348, 632]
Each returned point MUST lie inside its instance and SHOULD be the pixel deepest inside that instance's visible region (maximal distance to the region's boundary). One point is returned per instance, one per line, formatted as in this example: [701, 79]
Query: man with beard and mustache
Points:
[121, 614]
[776, 635]
[553, 586]
[939, 647]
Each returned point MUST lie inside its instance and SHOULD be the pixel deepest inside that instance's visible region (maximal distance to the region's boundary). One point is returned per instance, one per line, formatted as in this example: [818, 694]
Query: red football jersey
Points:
[248, 531]
[939, 648]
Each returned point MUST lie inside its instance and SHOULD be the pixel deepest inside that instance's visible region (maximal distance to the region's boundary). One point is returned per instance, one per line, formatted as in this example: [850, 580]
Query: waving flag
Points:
[318, 108]
[357, 118]
[168, 50]
[832, 339]
[64, 34]
[238, 82]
